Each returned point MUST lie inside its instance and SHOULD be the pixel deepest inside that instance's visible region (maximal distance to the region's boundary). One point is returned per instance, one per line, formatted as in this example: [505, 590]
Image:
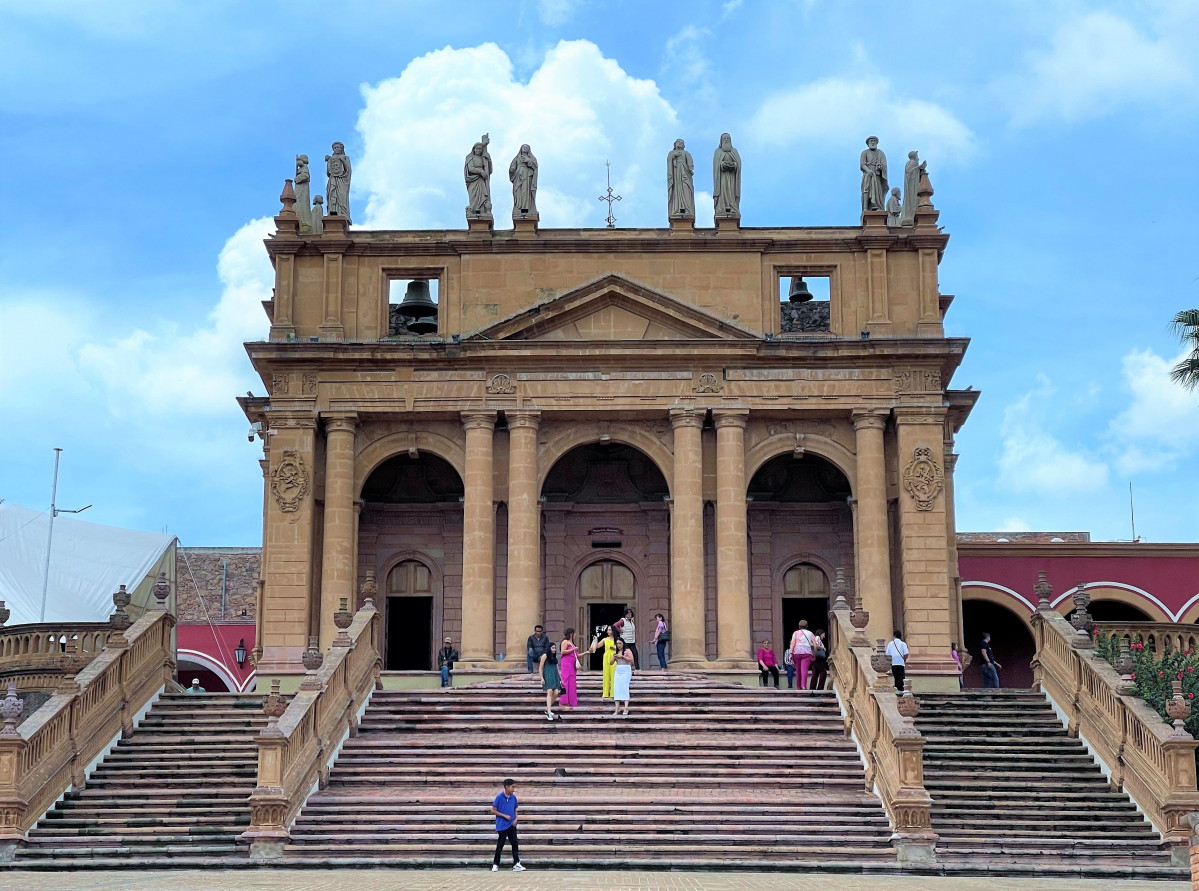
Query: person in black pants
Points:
[768, 665]
[504, 811]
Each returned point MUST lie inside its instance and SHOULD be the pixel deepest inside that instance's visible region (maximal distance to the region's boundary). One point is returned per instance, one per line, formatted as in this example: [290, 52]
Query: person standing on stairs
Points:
[551, 681]
[608, 644]
[538, 645]
[789, 664]
[446, 657]
[820, 662]
[569, 669]
[803, 643]
[504, 811]
[661, 639]
[768, 665]
[990, 668]
[898, 651]
[957, 660]
[628, 633]
[622, 659]
[195, 687]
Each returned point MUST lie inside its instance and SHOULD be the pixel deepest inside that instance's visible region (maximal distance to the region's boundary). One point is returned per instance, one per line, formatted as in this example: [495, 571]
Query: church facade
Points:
[589, 420]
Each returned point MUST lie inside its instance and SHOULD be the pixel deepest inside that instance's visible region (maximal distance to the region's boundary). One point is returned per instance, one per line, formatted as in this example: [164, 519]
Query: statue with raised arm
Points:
[523, 174]
[680, 183]
[893, 208]
[874, 176]
[911, 189]
[303, 202]
[477, 172]
[337, 190]
[726, 178]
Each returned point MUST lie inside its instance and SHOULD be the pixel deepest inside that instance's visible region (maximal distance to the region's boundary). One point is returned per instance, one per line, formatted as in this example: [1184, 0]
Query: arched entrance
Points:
[605, 539]
[800, 532]
[410, 534]
[1011, 641]
[1116, 611]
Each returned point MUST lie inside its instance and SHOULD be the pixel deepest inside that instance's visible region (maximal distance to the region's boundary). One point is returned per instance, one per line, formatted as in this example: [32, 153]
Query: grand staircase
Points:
[1012, 789]
[700, 774]
[174, 793]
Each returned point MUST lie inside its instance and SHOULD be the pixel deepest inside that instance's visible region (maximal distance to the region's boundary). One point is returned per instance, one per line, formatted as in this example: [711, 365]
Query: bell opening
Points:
[803, 288]
[413, 306]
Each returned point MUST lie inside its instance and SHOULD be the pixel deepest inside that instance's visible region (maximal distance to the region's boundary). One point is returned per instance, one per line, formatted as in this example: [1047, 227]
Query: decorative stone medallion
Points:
[708, 383]
[501, 385]
[289, 481]
[923, 478]
[918, 380]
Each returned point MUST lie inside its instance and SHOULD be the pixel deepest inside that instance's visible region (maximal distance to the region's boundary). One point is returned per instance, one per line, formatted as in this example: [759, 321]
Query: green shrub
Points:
[1153, 676]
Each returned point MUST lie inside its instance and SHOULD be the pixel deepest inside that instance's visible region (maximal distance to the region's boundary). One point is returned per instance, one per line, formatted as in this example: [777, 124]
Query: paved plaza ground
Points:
[533, 880]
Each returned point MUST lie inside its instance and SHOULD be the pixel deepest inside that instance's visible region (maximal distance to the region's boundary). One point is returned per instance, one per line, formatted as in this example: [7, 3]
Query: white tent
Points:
[87, 564]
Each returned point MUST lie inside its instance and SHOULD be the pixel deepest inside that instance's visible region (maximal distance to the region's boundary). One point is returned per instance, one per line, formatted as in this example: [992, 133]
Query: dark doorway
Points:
[1010, 640]
[1116, 611]
[600, 615]
[409, 633]
[814, 609]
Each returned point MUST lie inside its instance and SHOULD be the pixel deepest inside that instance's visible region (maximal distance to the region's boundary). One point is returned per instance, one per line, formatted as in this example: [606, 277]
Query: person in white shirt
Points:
[898, 651]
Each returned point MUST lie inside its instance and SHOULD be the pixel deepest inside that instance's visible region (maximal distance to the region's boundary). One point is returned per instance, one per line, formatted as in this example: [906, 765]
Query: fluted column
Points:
[478, 540]
[687, 539]
[524, 532]
[873, 546]
[733, 642]
[337, 561]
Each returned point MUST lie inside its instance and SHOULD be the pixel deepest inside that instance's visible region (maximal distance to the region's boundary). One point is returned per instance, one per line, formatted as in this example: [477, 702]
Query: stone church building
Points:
[588, 420]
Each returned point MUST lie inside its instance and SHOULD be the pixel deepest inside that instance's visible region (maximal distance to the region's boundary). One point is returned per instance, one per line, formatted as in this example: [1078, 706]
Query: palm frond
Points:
[1186, 372]
[1185, 325]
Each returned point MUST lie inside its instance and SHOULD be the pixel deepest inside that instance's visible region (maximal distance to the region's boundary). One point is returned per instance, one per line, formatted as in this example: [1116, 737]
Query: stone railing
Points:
[52, 751]
[38, 655]
[301, 740]
[1147, 758]
[1160, 637]
[889, 742]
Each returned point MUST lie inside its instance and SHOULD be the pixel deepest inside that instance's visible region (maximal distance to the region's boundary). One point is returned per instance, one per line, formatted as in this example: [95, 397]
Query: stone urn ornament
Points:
[859, 618]
[1083, 624]
[119, 620]
[1044, 592]
[1179, 710]
[161, 591]
[343, 618]
[313, 659]
[909, 708]
[11, 708]
[5, 612]
[1124, 663]
[881, 663]
[273, 704]
[369, 590]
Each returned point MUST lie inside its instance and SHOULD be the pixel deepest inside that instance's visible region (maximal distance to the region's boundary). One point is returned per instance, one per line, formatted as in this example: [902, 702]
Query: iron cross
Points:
[609, 197]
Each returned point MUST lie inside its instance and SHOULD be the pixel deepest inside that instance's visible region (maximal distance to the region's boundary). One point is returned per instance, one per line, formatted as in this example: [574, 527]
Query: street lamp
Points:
[240, 653]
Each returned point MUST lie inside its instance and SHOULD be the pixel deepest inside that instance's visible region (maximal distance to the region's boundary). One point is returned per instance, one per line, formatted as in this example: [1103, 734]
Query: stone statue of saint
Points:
[680, 183]
[523, 174]
[911, 188]
[337, 191]
[303, 177]
[726, 178]
[874, 176]
[893, 208]
[477, 171]
[318, 215]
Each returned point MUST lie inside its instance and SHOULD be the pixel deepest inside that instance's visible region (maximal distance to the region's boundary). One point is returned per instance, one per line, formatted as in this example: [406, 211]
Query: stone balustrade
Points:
[1147, 758]
[1160, 637]
[51, 751]
[892, 747]
[296, 750]
[37, 656]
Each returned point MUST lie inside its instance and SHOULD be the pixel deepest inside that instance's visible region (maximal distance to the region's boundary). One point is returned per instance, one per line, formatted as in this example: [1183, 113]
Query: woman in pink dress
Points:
[569, 657]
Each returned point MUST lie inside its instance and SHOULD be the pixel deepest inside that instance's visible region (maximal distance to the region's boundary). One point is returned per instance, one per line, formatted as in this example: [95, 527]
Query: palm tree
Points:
[1186, 326]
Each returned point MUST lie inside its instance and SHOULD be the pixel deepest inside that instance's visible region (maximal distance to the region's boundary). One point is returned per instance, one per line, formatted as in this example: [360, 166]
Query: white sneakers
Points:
[518, 868]
[494, 868]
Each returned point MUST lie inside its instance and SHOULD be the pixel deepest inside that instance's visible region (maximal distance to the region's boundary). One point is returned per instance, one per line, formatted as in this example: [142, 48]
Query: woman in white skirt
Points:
[622, 658]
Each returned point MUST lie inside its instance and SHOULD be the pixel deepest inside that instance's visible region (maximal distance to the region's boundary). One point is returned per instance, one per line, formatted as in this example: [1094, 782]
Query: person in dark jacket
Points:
[537, 646]
[446, 657]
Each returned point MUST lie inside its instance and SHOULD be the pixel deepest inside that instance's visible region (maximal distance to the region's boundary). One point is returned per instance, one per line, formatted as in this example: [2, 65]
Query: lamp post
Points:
[240, 653]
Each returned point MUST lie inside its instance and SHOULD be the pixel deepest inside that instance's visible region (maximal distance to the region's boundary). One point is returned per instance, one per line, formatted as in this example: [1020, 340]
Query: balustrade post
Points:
[268, 802]
[12, 804]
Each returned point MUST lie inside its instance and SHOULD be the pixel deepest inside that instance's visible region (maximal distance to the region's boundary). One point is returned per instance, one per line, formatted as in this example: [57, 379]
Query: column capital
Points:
[342, 421]
[730, 417]
[869, 418]
[524, 417]
[920, 414]
[686, 416]
[474, 420]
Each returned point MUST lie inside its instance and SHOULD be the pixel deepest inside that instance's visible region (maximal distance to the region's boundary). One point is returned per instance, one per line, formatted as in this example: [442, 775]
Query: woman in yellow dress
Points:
[609, 645]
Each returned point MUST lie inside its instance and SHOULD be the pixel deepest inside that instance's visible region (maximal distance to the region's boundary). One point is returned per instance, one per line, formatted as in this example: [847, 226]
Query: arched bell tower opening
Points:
[800, 532]
[410, 534]
[605, 539]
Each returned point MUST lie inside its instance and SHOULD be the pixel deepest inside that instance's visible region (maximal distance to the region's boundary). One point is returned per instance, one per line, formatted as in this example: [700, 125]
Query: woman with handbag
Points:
[661, 639]
[569, 669]
[820, 661]
[551, 681]
[803, 643]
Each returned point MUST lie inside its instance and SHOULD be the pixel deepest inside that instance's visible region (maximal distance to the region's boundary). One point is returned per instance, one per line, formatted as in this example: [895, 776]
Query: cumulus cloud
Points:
[557, 12]
[1160, 426]
[576, 110]
[685, 62]
[1036, 461]
[1099, 62]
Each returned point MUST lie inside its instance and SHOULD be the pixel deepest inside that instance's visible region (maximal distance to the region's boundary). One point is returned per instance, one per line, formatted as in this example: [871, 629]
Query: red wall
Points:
[218, 643]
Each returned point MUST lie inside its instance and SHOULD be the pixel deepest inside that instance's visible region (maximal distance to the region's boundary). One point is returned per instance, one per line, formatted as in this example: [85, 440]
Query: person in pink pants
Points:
[569, 667]
[803, 642]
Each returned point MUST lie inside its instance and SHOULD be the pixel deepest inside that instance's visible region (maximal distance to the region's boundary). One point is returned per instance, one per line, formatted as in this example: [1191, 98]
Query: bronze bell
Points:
[427, 325]
[798, 292]
[417, 303]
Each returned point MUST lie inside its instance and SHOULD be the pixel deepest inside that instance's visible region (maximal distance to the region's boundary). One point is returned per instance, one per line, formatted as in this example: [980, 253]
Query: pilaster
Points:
[873, 546]
[733, 643]
[687, 539]
[524, 531]
[478, 540]
[337, 561]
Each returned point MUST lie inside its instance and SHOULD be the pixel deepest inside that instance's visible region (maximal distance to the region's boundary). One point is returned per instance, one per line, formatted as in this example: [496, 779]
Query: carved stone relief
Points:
[918, 380]
[289, 481]
[923, 478]
[280, 384]
[308, 383]
[708, 383]
[501, 385]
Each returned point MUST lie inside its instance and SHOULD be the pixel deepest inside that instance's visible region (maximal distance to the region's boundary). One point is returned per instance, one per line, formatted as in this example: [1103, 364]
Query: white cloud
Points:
[1015, 524]
[685, 63]
[576, 110]
[1034, 460]
[729, 7]
[834, 111]
[1160, 426]
[557, 12]
[1099, 62]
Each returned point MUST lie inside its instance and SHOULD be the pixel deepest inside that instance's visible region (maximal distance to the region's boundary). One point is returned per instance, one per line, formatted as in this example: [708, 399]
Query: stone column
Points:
[337, 562]
[923, 548]
[873, 545]
[524, 532]
[733, 642]
[687, 540]
[478, 540]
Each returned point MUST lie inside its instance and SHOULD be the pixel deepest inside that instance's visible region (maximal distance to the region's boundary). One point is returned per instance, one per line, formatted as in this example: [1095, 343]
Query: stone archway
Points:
[1011, 640]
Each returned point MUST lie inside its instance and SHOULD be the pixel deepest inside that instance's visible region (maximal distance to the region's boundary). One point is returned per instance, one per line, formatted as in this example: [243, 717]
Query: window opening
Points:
[412, 306]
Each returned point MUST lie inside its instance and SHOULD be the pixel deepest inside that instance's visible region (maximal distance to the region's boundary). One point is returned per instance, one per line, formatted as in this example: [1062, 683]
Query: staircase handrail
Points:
[294, 752]
[1145, 756]
[36, 646]
[891, 746]
[50, 752]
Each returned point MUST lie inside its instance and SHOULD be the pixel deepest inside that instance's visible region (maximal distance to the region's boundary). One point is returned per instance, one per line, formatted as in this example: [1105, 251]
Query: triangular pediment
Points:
[613, 308]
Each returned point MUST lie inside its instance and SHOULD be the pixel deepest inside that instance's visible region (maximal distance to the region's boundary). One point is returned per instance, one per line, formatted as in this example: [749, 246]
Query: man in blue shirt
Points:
[990, 668]
[504, 811]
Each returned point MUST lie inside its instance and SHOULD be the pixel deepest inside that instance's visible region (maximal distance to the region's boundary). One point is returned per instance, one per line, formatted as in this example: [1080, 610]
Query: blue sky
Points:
[146, 142]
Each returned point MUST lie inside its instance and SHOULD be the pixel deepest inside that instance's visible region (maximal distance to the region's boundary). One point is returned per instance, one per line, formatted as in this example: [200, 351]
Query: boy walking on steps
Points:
[504, 811]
